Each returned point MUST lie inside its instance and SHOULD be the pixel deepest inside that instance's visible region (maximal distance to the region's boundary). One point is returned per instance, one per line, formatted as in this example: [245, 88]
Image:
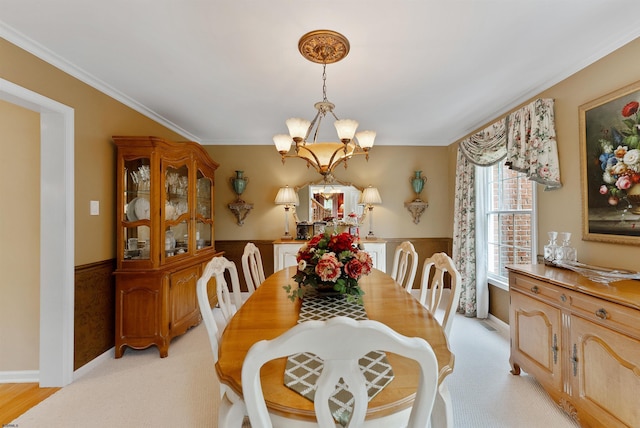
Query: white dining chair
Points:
[252, 267]
[405, 265]
[232, 410]
[229, 301]
[327, 339]
[432, 292]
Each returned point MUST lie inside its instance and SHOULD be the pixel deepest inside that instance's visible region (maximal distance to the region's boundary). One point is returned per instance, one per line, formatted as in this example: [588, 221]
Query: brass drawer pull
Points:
[602, 314]
[535, 289]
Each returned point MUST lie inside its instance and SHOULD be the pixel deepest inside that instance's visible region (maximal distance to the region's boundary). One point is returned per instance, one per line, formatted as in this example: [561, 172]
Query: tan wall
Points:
[97, 118]
[561, 210]
[20, 237]
[388, 169]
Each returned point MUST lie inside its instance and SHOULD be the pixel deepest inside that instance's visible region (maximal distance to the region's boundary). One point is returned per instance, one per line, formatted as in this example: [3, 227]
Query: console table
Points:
[580, 340]
[285, 251]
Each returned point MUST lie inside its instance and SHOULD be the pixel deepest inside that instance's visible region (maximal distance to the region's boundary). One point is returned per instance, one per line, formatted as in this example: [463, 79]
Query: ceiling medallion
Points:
[323, 46]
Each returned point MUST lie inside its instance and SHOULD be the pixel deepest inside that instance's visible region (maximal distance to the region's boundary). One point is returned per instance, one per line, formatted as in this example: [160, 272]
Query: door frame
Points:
[56, 232]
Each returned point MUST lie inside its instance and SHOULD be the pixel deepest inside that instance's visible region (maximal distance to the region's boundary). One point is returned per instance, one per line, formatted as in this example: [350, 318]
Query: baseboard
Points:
[20, 376]
[501, 326]
[106, 355]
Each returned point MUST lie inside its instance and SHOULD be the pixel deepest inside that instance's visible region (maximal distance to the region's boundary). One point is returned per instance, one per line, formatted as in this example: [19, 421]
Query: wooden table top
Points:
[268, 313]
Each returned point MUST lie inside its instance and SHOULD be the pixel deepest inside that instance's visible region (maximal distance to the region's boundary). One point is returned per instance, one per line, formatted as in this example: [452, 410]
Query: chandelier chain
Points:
[324, 82]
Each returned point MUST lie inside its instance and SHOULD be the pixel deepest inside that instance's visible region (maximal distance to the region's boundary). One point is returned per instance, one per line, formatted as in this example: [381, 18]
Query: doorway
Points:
[56, 232]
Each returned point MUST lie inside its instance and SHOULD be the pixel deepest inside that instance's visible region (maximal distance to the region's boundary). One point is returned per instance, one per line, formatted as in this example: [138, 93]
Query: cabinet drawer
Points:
[609, 314]
[539, 289]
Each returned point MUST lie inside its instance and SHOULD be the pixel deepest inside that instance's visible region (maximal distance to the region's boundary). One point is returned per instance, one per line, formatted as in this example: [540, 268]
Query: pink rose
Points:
[353, 268]
[328, 267]
[623, 182]
[603, 190]
[365, 259]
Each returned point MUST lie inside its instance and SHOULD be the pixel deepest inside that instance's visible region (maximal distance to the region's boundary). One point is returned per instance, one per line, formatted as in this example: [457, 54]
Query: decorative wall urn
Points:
[239, 207]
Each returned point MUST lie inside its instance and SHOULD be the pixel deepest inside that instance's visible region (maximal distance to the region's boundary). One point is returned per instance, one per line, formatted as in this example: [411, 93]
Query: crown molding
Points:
[45, 54]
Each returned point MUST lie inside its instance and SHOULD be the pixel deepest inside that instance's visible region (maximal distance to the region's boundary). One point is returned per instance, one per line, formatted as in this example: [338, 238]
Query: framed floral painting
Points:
[610, 166]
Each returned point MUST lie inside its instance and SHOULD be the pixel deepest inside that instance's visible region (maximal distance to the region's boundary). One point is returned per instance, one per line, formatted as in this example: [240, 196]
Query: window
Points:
[510, 220]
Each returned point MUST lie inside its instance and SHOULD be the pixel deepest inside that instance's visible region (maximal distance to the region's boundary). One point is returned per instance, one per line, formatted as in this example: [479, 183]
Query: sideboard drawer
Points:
[539, 289]
[612, 315]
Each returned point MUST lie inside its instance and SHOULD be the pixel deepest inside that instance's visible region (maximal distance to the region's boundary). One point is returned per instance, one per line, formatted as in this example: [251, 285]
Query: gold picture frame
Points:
[610, 166]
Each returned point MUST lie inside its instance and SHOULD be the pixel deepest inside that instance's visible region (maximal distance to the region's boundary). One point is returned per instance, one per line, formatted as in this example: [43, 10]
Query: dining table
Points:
[269, 312]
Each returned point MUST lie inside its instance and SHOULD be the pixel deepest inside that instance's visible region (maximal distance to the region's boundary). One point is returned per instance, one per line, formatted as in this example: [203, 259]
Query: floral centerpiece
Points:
[331, 262]
[620, 156]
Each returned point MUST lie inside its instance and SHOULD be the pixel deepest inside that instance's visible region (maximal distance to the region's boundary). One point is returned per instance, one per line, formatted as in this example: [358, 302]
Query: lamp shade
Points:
[283, 142]
[346, 128]
[287, 196]
[371, 196]
[366, 139]
[298, 127]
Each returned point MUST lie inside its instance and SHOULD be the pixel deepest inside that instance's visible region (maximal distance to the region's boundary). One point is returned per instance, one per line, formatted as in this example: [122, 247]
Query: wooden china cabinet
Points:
[165, 224]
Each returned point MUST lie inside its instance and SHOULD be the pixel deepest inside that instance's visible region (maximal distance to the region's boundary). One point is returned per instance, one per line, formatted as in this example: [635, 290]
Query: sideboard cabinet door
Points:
[535, 339]
[604, 368]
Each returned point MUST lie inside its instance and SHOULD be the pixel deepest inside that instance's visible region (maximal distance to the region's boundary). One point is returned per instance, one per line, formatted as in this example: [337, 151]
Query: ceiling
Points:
[420, 72]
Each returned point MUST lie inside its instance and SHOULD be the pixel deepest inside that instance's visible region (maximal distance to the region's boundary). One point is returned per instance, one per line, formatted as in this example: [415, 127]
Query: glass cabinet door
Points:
[204, 215]
[136, 216]
[176, 210]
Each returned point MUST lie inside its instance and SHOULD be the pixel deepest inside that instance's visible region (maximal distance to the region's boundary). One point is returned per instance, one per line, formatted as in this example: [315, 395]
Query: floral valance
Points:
[486, 147]
[531, 143]
[526, 139]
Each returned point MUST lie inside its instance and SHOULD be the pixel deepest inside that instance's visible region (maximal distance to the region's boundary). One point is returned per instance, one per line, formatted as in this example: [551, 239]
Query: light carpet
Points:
[142, 390]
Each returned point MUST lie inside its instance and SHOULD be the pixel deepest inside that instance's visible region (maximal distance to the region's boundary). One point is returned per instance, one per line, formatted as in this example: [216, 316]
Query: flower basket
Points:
[330, 263]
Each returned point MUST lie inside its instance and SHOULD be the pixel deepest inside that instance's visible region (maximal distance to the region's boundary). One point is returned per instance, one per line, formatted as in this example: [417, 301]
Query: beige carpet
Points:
[143, 390]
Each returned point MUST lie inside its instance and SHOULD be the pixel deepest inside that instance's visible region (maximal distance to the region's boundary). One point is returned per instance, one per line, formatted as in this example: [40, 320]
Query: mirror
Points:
[321, 200]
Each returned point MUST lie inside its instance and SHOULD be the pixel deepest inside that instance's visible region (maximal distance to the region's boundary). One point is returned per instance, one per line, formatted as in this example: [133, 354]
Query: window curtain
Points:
[464, 234]
[531, 143]
[483, 148]
[526, 140]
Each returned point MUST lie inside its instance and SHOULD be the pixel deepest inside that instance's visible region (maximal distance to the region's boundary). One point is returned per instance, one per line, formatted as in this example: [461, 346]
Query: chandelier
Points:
[323, 47]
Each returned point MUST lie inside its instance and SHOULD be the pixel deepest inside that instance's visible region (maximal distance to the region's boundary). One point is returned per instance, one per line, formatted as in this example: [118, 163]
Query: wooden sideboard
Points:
[285, 251]
[580, 340]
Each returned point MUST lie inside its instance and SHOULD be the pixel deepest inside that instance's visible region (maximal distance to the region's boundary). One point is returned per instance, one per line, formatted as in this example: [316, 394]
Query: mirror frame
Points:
[360, 210]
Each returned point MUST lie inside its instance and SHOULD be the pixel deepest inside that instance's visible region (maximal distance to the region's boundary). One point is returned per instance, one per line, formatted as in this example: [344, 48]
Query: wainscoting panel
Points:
[425, 248]
[94, 317]
[233, 251]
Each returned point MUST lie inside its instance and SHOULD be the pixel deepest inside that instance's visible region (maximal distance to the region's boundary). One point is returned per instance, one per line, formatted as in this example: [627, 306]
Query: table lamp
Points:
[288, 197]
[370, 197]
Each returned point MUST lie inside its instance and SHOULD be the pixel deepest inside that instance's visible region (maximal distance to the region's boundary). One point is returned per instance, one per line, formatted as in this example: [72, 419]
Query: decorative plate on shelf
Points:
[142, 208]
[131, 210]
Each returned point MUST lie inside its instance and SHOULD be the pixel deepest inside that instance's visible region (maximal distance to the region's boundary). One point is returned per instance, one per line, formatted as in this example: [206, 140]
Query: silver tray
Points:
[597, 274]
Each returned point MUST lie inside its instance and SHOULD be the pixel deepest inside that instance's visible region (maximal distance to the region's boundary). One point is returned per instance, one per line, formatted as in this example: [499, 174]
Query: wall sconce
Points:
[288, 197]
[240, 208]
[417, 206]
[370, 197]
